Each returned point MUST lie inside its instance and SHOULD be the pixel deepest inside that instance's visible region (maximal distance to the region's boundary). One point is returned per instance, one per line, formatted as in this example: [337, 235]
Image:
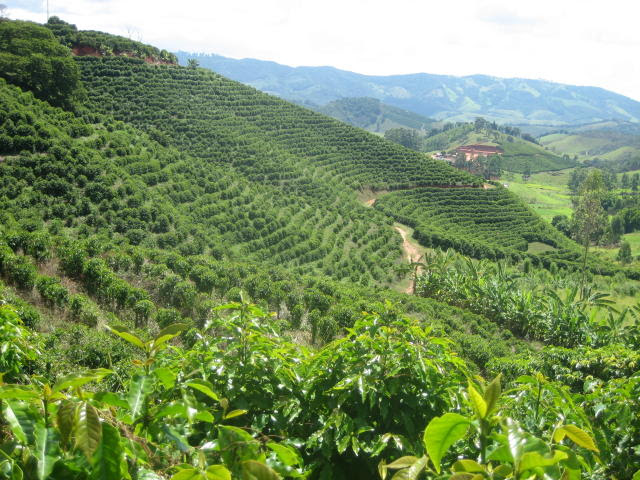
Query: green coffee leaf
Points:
[531, 460]
[204, 387]
[258, 471]
[189, 474]
[477, 402]
[441, 433]
[167, 334]
[88, 429]
[108, 456]
[287, 455]
[65, 418]
[166, 376]
[412, 472]
[234, 413]
[502, 471]
[403, 462]
[577, 435]
[46, 450]
[17, 393]
[217, 472]
[462, 476]
[124, 333]
[21, 420]
[492, 394]
[469, 466]
[139, 389]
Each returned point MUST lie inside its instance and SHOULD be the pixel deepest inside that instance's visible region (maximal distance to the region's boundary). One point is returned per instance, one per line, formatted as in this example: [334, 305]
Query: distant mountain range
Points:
[442, 97]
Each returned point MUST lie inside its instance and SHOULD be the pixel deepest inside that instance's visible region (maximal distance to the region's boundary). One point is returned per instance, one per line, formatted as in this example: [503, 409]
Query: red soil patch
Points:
[87, 51]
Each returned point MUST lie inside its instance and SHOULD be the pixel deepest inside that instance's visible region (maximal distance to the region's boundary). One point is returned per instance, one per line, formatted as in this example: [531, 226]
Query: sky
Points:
[579, 42]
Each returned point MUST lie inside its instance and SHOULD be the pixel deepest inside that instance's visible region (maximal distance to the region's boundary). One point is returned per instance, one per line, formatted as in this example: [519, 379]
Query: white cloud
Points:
[582, 42]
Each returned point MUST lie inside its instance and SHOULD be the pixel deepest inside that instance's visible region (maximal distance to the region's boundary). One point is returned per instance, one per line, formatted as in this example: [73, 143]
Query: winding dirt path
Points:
[412, 252]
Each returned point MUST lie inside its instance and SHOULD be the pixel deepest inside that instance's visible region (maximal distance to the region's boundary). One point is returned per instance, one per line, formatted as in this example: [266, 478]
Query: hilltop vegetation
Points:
[89, 42]
[521, 152]
[32, 58]
[147, 230]
[442, 97]
[373, 115]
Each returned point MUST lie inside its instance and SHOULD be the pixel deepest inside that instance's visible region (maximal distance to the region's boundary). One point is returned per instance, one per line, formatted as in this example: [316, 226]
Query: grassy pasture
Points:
[546, 192]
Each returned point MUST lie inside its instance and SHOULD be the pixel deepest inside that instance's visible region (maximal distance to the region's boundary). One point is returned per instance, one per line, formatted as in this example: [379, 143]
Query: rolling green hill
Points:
[519, 153]
[613, 143]
[373, 115]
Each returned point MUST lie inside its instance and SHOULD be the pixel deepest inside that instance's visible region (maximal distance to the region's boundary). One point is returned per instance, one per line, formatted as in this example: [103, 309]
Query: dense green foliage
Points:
[115, 180]
[32, 58]
[146, 286]
[549, 307]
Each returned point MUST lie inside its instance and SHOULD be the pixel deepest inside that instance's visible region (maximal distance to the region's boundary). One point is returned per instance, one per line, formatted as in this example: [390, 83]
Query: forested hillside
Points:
[194, 286]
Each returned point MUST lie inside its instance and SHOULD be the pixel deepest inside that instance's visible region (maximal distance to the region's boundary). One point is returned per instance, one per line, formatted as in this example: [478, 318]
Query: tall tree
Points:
[625, 181]
[624, 254]
[589, 221]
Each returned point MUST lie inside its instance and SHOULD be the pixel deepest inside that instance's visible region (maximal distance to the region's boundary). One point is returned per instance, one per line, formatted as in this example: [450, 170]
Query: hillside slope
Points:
[614, 142]
[443, 97]
[272, 141]
[113, 180]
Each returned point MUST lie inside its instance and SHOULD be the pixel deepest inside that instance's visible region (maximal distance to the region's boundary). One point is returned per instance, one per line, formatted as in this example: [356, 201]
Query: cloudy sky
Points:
[581, 42]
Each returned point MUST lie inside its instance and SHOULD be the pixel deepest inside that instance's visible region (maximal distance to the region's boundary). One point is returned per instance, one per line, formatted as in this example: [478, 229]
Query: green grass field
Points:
[634, 241]
[545, 192]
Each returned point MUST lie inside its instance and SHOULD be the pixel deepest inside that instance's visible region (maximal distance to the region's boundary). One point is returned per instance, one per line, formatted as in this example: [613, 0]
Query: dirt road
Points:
[412, 252]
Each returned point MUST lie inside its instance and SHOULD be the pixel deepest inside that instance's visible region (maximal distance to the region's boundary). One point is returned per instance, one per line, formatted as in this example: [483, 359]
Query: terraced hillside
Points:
[275, 143]
[266, 138]
[108, 178]
[607, 144]
[489, 223]
[259, 178]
